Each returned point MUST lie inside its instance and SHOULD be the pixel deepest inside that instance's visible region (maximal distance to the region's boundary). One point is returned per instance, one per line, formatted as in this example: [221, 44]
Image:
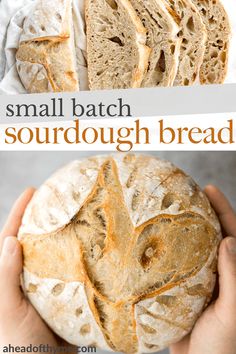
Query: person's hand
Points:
[215, 330]
[20, 324]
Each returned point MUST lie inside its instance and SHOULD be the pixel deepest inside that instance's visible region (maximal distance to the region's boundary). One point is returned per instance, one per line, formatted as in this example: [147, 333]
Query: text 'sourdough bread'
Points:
[193, 38]
[120, 252]
[116, 45]
[215, 62]
[46, 56]
[162, 39]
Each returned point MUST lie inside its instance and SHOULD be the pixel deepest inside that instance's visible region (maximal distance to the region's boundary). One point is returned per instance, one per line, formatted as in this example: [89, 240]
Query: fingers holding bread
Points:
[14, 220]
[223, 208]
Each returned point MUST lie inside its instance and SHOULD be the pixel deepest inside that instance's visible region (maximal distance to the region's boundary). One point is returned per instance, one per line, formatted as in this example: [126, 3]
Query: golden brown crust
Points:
[53, 50]
[122, 264]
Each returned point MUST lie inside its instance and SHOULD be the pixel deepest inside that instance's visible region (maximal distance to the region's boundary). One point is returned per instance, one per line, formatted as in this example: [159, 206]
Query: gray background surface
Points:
[19, 170]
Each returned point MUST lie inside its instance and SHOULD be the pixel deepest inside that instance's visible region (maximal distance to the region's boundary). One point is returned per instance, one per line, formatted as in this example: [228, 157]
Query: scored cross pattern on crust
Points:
[124, 264]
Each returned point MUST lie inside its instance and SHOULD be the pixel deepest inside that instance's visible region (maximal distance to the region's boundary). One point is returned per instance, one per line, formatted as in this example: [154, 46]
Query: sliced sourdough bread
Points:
[193, 38]
[45, 58]
[215, 62]
[162, 38]
[116, 45]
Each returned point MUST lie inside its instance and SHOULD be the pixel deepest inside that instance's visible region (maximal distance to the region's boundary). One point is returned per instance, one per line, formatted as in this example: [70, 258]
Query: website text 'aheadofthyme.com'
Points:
[45, 348]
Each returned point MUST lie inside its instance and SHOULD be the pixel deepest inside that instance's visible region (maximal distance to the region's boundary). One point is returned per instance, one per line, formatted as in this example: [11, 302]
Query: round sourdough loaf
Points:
[120, 252]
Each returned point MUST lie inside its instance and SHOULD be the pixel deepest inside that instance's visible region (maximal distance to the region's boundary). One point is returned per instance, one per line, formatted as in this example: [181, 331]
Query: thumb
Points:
[226, 302]
[10, 271]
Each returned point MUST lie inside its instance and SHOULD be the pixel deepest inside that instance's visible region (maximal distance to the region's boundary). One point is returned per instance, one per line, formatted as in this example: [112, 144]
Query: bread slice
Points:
[46, 55]
[215, 62]
[162, 39]
[193, 38]
[116, 50]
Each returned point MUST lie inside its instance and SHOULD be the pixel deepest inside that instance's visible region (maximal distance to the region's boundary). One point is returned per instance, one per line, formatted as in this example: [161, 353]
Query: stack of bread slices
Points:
[130, 44]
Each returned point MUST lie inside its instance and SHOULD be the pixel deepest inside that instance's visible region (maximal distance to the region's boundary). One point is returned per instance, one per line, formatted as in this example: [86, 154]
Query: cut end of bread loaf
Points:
[116, 50]
[215, 62]
[47, 44]
[136, 236]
